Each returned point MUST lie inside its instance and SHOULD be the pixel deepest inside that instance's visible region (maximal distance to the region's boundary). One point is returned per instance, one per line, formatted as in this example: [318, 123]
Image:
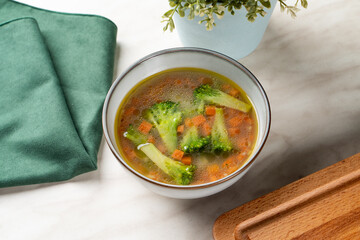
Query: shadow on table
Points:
[288, 167]
[282, 161]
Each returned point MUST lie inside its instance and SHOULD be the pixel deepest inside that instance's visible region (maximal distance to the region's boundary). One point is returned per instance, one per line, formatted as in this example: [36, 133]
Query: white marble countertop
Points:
[310, 69]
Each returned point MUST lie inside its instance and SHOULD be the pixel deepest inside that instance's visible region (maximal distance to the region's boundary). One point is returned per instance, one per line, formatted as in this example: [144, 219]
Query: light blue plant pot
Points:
[233, 35]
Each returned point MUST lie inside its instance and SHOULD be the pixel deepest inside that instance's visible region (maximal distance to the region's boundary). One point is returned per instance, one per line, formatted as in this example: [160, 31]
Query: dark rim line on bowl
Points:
[186, 49]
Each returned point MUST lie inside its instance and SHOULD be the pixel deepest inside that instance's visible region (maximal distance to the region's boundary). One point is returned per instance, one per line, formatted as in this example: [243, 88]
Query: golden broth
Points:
[177, 85]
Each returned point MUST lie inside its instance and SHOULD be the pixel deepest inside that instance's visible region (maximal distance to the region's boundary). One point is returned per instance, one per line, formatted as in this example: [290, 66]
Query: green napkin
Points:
[55, 70]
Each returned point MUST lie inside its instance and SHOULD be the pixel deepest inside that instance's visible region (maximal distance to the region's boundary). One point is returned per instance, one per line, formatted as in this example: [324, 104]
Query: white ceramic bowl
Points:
[180, 58]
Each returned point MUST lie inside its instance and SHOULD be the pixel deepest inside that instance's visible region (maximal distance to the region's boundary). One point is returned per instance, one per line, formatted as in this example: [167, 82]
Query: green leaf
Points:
[166, 27]
[172, 3]
[266, 3]
[181, 12]
[172, 24]
[304, 3]
[191, 14]
[168, 13]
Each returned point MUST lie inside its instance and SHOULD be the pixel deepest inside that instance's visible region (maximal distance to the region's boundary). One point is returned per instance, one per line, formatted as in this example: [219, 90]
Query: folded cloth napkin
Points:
[55, 70]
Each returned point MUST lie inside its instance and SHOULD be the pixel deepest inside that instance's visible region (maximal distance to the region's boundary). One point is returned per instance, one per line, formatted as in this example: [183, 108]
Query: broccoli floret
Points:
[179, 172]
[215, 96]
[165, 116]
[135, 136]
[192, 108]
[192, 142]
[200, 105]
[220, 141]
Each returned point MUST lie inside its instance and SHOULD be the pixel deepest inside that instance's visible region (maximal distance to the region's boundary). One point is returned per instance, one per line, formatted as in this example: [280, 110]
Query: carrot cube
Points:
[206, 129]
[205, 80]
[234, 92]
[151, 139]
[131, 154]
[233, 131]
[232, 112]
[213, 169]
[198, 120]
[129, 111]
[248, 120]
[186, 160]
[225, 87]
[229, 162]
[235, 121]
[243, 144]
[210, 110]
[180, 128]
[177, 154]
[241, 157]
[145, 127]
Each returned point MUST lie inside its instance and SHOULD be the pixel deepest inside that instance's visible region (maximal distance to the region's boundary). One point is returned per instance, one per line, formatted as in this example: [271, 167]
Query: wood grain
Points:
[324, 205]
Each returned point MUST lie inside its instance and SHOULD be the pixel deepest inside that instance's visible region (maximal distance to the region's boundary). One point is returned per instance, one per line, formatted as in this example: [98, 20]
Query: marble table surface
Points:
[310, 68]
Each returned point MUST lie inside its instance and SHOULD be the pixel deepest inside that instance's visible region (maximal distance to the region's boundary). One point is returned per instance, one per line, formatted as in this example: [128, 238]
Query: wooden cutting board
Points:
[323, 205]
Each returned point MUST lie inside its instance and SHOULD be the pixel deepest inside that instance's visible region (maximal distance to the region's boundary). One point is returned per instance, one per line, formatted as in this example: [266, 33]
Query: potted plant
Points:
[238, 32]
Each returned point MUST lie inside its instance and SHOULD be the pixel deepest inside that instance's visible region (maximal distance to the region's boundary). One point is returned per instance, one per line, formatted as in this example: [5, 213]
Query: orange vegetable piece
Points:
[232, 169]
[234, 92]
[210, 110]
[151, 139]
[129, 111]
[240, 157]
[233, 112]
[229, 162]
[132, 154]
[177, 154]
[213, 178]
[154, 175]
[205, 80]
[180, 128]
[248, 120]
[145, 127]
[213, 169]
[206, 129]
[233, 131]
[225, 87]
[186, 160]
[161, 147]
[198, 120]
[243, 144]
[235, 121]
[188, 122]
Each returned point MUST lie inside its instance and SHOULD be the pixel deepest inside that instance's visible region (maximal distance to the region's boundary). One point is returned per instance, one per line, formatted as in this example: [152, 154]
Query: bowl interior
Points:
[179, 58]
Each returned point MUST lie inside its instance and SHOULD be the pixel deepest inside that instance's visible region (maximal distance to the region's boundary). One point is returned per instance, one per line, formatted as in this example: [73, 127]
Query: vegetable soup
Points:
[186, 126]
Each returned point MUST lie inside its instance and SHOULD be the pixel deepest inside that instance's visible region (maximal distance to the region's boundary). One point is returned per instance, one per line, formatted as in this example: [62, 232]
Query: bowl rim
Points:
[192, 50]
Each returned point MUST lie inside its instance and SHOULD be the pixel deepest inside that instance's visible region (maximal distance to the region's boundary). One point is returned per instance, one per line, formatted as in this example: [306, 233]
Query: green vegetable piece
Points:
[200, 106]
[135, 136]
[215, 96]
[165, 116]
[192, 142]
[220, 141]
[182, 174]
